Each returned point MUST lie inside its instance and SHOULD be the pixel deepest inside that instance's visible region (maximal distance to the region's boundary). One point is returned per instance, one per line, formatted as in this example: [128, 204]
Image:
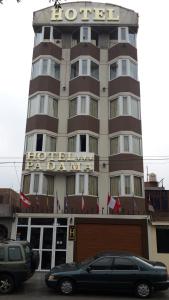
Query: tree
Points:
[56, 2]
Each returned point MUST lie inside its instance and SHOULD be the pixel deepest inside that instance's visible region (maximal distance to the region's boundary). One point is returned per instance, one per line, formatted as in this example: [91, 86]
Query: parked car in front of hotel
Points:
[110, 272]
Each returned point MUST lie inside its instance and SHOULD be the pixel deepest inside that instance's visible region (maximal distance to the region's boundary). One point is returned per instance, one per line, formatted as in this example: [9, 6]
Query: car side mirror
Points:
[89, 268]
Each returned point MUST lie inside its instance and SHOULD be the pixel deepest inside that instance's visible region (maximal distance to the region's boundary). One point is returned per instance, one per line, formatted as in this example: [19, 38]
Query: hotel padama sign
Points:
[85, 14]
[59, 161]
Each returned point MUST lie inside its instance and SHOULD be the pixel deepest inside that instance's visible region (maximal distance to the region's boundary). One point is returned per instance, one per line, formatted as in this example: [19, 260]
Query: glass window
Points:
[114, 34]
[138, 186]
[72, 144]
[14, 253]
[47, 238]
[75, 69]
[94, 70]
[124, 66]
[162, 236]
[113, 70]
[121, 263]
[36, 183]
[42, 104]
[136, 145]
[83, 105]
[26, 183]
[81, 183]
[72, 107]
[133, 70]
[50, 143]
[93, 185]
[48, 184]
[44, 66]
[39, 142]
[22, 233]
[2, 254]
[60, 257]
[38, 36]
[32, 106]
[132, 37]
[93, 144]
[82, 143]
[55, 69]
[61, 238]
[84, 67]
[114, 145]
[125, 105]
[35, 69]
[85, 34]
[35, 238]
[115, 185]
[135, 108]
[70, 185]
[93, 107]
[114, 108]
[126, 143]
[102, 264]
[123, 34]
[29, 143]
[52, 107]
[47, 33]
[127, 185]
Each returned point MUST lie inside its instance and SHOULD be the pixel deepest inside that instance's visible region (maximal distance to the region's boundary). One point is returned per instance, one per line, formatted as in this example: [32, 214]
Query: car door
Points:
[98, 274]
[124, 272]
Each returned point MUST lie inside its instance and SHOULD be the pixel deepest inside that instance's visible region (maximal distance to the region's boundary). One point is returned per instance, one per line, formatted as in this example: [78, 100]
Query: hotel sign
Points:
[85, 14]
[59, 161]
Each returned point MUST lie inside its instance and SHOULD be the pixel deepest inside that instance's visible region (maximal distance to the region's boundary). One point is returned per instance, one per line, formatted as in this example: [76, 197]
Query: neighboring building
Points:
[83, 132]
[9, 204]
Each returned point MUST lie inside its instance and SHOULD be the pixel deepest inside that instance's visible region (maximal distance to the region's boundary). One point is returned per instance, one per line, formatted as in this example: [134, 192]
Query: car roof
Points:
[114, 253]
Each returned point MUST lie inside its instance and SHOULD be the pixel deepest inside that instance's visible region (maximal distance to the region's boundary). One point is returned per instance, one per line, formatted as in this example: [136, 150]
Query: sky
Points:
[16, 47]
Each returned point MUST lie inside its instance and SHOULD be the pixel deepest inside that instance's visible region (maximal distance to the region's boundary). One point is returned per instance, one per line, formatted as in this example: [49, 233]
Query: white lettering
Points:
[71, 14]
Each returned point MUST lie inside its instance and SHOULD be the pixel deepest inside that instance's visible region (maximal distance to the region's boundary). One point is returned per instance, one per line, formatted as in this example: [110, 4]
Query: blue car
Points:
[110, 272]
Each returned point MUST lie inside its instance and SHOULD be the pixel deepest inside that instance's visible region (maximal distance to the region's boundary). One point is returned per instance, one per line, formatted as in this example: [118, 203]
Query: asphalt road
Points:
[35, 288]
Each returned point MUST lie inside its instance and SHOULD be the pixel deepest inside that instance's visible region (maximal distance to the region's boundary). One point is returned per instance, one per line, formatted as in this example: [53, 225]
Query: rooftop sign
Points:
[85, 14]
[59, 161]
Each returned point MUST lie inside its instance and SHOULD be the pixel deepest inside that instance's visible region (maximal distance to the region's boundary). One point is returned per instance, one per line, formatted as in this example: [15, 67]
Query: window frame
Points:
[34, 141]
[77, 142]
[88, 101]
[132, 106]
[88, 67]
[121, 188]
[119, 70]
[121, 143]
[38, 65]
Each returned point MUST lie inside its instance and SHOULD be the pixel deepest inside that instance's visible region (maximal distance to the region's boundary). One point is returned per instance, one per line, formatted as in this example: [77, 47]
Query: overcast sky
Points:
[16, 47]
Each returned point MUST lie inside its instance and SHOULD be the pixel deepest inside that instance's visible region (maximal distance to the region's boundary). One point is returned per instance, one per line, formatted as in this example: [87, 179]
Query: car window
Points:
[14, 254]
[121, 263]
[104, 263]
[27, 251]
[2, 254]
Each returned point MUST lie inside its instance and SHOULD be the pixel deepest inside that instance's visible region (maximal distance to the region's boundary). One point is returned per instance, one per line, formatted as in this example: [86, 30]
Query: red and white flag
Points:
[112, 202]
[117, 206]
[24, 200]
[82, 204]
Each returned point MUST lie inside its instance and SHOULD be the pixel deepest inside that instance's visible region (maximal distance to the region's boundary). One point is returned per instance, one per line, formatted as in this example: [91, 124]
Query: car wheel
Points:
[6, 284]
[66, 286]
[143, 290]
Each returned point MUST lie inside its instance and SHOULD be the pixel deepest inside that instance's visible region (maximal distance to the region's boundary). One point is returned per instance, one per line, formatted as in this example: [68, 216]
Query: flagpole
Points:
[55, 204]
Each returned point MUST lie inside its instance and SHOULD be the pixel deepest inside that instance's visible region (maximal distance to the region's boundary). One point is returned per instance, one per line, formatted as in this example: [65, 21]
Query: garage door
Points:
[93, 238]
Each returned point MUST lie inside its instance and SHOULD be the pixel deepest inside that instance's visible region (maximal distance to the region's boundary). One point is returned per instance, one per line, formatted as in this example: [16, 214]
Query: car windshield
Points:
[86, 262]
[146, 261]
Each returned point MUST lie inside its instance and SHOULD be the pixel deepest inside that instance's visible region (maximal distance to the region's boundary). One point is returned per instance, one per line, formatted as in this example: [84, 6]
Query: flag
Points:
[112, 203]
[57, 203]
[97, 206]
[108, 199]
[150, 206]
[24, 200]
[117, 206]
[82, 204]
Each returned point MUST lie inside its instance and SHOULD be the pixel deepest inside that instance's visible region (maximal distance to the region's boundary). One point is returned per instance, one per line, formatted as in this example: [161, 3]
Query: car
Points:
[18, 262]
[110, 271]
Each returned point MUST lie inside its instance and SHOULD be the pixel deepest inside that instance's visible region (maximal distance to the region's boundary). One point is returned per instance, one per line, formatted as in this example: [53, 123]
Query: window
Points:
[72, 107]
[29, 140]
[36, 183]
[162, 234]
[135, 108]
[39, 142]
[93, 185]
[72, 144]
[123, 33]
[126, 143]
[50, 143]
[81, 183]
[132, 36]
[85, 34]
[84, 67]
[127, 185]
[82, 145]
[113, 71]
[125, 105]
[70, 185]
[43, 104]
[136, 145]
[47, 31]
[93, 108]
[102, 264]
[138, 186]
[26, 184]
[93, 144]
[14, 254]
[45, 66]
[2, 254]
[121, 263]
[114, 145]
[114, 108]
[115, 185]
[123, 67]
[48, 184]
[83, 105]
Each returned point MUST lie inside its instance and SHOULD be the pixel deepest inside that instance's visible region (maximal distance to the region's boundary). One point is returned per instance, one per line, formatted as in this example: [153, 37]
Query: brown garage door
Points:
[93, 238]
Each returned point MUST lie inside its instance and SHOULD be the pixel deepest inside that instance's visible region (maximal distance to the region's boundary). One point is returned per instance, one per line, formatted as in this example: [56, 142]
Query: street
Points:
[35, 288]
